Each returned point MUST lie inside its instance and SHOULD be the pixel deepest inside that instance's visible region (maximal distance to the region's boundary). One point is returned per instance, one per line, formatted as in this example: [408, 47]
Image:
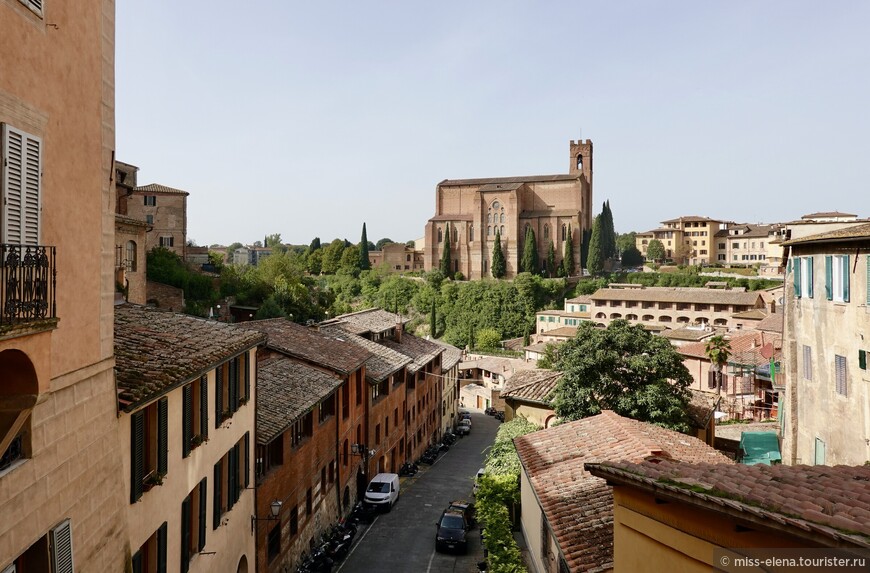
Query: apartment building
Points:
[575, 310]
[826, 341]
[186, 383]
[687, 239]
[164, 209]
[671, 306]
[60, 469]
[397, 258]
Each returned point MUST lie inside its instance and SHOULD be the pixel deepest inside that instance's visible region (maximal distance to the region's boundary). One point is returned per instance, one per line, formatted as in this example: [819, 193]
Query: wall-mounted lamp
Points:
[274, 509]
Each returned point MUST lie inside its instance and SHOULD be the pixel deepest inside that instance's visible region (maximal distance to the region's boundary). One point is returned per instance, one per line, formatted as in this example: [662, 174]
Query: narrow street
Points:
[404, 539]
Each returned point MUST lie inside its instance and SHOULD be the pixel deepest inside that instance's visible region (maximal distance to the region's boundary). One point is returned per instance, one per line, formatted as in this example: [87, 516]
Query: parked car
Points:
[452, 531]
[467, 509]
[383, 491]
[464, 428]
[480, 474]
[464, 415]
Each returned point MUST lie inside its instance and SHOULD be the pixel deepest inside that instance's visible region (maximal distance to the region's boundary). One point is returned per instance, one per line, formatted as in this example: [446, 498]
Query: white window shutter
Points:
[60, 539]
[21, 182]
[10, 569]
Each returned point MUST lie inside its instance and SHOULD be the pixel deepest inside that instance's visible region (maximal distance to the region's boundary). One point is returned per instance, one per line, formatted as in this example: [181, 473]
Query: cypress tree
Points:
[551, 259]
[364, 262]
[529, 264]
[608, 234]
[568, 259]
[498, 265]
[595, 262]
[432, 324]
[445, 254]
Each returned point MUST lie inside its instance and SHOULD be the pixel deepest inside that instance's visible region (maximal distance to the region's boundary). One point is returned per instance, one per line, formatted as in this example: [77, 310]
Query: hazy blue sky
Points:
[307, 119]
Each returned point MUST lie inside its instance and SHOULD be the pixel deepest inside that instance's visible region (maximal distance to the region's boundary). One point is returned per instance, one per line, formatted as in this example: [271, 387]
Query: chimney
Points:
[772, 306]
[399, 328]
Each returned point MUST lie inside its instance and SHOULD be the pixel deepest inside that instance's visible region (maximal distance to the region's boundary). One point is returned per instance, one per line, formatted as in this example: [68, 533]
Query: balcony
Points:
[27, 286]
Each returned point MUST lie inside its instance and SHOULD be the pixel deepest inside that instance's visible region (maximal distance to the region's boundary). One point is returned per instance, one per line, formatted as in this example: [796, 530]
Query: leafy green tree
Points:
[529, 262]
[718, 350]
[498, 264]
[433, 325]
[216, 260]
[568, 258]
[350, 260]
[551, 260]
[332, 257]
[269, 309]
[625, 241]
[445, 253]
[595, 261]
[364, 263]
[655, 251]
[379, 246]
[488, 339]
[625, 369]
[631, 257]
[273, 241]
[315, 245]
[314, 261]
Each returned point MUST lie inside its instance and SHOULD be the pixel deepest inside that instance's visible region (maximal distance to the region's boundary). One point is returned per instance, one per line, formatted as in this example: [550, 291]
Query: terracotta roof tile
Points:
[531, 385]
[773, 323]
[382, 362]
[678, 294]
[579, 506]
[451, 356]
[155, 350]
[287, 389]
[157, 188]
[563, 331]
[373, 320]
[420, 351]
[856, 232]
[309, 344]
[830, 500]
[745, 347]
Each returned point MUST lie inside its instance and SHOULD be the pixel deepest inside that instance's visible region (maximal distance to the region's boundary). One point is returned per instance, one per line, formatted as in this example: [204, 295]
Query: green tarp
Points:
[760, 448]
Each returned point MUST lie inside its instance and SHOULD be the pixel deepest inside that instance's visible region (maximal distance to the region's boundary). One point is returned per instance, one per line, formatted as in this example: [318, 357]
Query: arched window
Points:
[648, 317]
[502, 231]
[454, 234]
[665, 318]
[471, 234]
[489, 218]
[502, 216]
[546, 231]
[440, 236]
[615, 315]
[131, 256]
[489, 231]
[564, 231]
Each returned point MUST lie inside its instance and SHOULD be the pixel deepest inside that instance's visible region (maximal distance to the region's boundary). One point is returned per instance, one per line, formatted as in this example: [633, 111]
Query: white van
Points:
[383, 491]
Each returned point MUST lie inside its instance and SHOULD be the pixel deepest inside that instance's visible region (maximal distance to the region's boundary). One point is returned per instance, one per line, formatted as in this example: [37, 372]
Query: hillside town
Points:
[706, 403]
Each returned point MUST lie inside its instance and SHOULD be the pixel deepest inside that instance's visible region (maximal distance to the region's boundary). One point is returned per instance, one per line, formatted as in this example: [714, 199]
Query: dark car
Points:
[452, 532]
[467, 509]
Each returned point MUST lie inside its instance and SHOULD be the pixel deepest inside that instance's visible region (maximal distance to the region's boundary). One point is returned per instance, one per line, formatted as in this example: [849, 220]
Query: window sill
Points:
[13, 466]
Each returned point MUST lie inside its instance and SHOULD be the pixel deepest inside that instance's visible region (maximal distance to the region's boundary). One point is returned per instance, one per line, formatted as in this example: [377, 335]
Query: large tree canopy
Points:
[621, 368]
[655, 251]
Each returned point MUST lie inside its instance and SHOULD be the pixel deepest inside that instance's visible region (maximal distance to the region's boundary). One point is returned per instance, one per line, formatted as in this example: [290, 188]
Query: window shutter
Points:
[234, 384]
[809, 285]
[61, 548]
[203, 407]
[231, 478]
[247, 459]
[216, 510]
[237, 454]
[846, 278]
[829, 277]
[161, 548]
[862, 360]
[797, 277]
[203, 502]
[162, 436]
[185, 534]
[21, 182]
[247, 367]
[186, 419]
[137, 455]
[218, 396]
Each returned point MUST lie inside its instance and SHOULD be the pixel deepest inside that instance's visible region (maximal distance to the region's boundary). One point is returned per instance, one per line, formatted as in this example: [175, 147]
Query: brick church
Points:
[474, 209]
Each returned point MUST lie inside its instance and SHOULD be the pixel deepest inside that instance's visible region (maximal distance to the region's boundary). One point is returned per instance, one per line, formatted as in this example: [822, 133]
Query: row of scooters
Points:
[430, 456]
[333, 546]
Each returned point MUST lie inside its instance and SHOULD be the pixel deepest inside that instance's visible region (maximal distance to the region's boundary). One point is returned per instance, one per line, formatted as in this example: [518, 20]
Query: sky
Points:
[309, 119]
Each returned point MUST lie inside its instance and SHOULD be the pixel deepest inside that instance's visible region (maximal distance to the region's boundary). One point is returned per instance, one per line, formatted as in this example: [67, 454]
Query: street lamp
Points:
[274, 510]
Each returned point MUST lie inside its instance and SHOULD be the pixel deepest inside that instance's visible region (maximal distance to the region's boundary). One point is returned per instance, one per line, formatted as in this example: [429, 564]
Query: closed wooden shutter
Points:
[162, 436]
[186, 419]
[862, 360]
[237, 455]
[247, 370]
[185, 534]
[203, 503]
[21, 183]
[203, 407]
[60, 540]
[218, 396]
[829, 277]
[232, 474]
[234, 385]
[216, 510]
[840, 374]
[846, 278]
[247, 459]
[809, 286]
[137, 455]
[797, 278]
[161, 548]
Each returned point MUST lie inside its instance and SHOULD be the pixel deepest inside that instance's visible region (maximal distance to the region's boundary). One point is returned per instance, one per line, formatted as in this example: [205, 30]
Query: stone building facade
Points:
[61, 488]
[471, 211]
[164, 209]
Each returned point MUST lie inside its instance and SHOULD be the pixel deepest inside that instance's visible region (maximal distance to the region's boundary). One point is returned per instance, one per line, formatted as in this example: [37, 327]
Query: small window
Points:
[274, 543]
[149, 219]
[150, 200]
[21, 161]
[131, 256]
[149, 428]
[231, 477]
[167, 241]
[194, 415]
[151, 557]
[294, 520]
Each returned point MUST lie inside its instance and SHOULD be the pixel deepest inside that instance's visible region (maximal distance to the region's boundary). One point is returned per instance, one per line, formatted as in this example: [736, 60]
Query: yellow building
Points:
[684, 517]
[687, 239]
[527, 394]
[61, 489]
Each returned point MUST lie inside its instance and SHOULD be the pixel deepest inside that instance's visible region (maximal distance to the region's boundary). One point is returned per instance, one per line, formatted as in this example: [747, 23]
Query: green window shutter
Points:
[186, 419]
[846, 278]
[797, 277]
[247, 459]
[161, 548]
[203, 407]
[137, 562]
[185, 534]
[203, 502]
[218, 396]
[163, 436]
[809, 286]
[216, 510]
[862, 359]
[829, 277]
[137, 455]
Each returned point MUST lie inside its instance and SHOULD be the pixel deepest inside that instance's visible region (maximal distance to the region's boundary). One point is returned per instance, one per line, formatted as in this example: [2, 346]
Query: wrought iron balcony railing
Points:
[28, 274]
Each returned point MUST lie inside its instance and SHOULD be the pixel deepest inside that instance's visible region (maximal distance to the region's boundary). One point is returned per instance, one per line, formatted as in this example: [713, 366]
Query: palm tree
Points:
[718, 350]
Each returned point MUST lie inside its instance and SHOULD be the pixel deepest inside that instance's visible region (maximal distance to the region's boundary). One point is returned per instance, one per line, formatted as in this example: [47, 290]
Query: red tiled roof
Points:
[855, 233]
[563, 331]
[381, 363]
[745, 347]
[531, 385]
[373, 320]
[831, 501]
[508, 180]
[309, 344]
[773, 323]
[579, 506]
[678, 294]
[420, 351]
[157, 188]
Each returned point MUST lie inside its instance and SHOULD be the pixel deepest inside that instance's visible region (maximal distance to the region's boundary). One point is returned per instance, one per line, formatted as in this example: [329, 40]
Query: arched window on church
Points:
[489, 218]
[471, 234]
[489, 231]
[579, 163]
[564, 231]
[455, 234]
[502, 231]
[546, 231]
[440, 236]
[502, 216]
